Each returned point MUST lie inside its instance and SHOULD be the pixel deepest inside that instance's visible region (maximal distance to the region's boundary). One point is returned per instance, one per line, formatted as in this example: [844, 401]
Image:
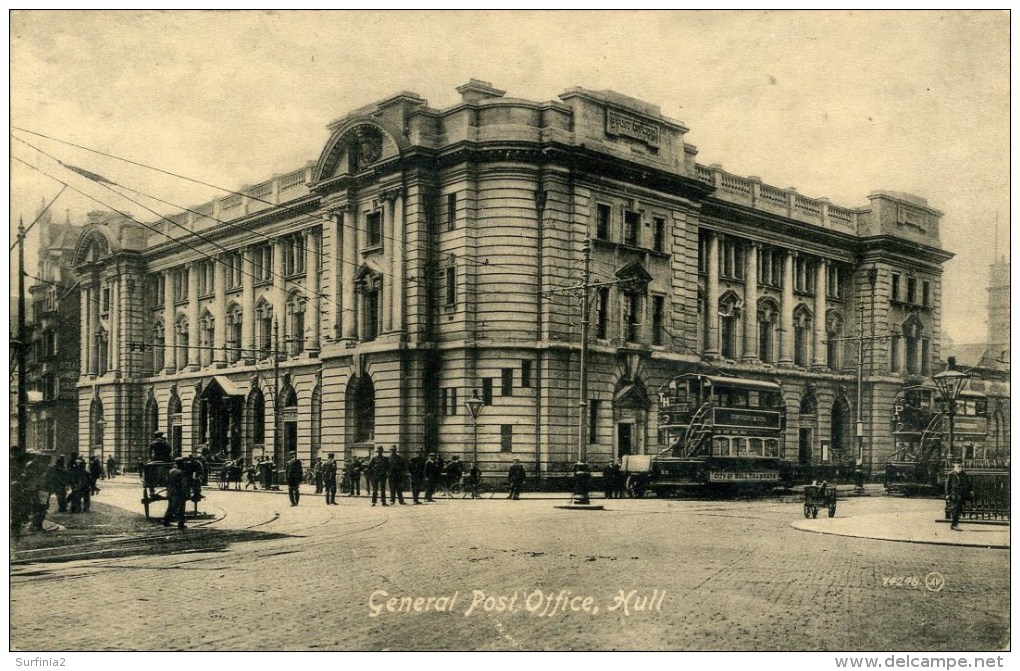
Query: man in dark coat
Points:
[317, 473]
[328, 470]
[378, 469]
[111, 467]
[95, 473]
[159, 449]
[609, 479]
[454, 473]
[474, 479]
[417, 470]
[57, 480]
[433, 470]
[517, 476]
[295, 474]
[354, 472]
[397, 473]
[81, 487]
[177, 489]
[957, 491]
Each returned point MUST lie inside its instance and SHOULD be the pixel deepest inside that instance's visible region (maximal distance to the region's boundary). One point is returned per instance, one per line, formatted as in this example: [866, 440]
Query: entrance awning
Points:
[223, 385]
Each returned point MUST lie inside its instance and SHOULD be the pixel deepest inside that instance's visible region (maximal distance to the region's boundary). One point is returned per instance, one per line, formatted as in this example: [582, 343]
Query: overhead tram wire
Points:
[40, 215]
[287, 208]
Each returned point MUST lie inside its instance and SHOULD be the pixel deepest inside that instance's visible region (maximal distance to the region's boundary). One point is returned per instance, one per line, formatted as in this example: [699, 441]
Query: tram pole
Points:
[581, 471]
[22, 343]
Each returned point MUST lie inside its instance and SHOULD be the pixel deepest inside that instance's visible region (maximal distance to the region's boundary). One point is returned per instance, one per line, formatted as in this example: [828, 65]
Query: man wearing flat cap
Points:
[378, 470]
[957, 491]
[397, 473]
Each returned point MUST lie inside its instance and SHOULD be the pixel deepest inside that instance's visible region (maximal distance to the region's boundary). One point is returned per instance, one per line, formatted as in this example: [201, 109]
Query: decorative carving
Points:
[626, 125]
[368, 143]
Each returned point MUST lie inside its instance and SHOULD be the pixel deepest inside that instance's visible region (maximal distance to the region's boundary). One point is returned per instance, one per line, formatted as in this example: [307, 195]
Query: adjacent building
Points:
[431, 255]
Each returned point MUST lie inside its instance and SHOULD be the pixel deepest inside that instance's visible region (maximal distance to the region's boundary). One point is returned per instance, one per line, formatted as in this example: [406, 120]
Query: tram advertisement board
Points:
[744, 418]
[970, 425]
[739, 476]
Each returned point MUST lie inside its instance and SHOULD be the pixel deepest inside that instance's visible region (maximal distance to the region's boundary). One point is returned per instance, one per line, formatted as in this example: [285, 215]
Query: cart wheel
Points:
[832, 510]
[807, 511]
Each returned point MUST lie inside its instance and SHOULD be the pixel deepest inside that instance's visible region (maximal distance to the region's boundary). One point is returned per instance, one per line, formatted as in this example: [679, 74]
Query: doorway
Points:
[624, 439]
[804, 453]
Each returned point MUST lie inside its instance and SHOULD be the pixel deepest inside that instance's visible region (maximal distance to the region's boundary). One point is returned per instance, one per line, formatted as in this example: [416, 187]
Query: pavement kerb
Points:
[865, 529]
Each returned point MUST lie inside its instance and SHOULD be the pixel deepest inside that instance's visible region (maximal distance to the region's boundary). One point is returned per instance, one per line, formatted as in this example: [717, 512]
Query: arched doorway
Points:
[808, 423]
[841, 432]
[221, 406]
[255, 423]
[175, 424]
[359, 417]
[97, 427]
[290, 426]
[150, 424]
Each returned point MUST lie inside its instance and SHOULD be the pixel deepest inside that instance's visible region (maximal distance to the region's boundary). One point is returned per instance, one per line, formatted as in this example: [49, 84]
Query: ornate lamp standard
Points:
[950, 383]
[474, 406]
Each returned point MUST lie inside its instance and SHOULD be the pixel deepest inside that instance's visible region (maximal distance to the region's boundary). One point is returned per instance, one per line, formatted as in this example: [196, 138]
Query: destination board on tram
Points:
[741, 418]
[732, 476]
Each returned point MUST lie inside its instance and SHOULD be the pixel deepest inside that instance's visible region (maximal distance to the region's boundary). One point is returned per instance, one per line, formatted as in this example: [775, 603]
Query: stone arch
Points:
[175, 423]
[807, 427]
[97, 426]
[768, 318]
[348, 138]
[360, 409]
[254, 420]
[95, 243]
[834, 329]
[730, 305]
[841, 430]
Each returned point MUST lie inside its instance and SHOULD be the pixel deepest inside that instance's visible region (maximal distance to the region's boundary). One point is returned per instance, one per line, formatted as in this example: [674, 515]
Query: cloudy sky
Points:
[836, 104]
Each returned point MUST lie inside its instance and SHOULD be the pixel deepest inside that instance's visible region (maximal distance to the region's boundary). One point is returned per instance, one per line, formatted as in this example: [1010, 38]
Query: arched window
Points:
[288, 418]
[158, 349]
[97, 426]
[360, 413]
[234, 321]
[833, 342]
[175, 424]
[295, 323]
[181, 338]
[264, 328]
[102, 351]
[801, 335]
[255, 419]
[768, 313]
[206, 335]
[729, 324]
[369, 288]
[912, 331]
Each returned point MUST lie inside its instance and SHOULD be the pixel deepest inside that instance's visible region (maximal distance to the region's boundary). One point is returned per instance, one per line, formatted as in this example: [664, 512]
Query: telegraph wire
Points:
[40, 215]
[220, 188]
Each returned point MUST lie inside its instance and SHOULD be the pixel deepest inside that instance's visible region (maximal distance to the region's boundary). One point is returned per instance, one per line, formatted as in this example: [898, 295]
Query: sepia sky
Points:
[835, 104]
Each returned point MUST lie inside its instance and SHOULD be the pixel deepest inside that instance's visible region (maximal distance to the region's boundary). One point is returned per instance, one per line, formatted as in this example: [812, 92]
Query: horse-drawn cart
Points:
[156, 475]
[817, 497]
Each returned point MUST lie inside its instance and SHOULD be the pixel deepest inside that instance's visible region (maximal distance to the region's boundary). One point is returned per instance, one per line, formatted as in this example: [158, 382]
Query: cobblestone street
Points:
[258, 574]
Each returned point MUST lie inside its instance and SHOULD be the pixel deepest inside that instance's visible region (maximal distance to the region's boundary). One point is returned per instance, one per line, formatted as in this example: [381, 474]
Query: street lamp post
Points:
[950, 383]
[474, 406]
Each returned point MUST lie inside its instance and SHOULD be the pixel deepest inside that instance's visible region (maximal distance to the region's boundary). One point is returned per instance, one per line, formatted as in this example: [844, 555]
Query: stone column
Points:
[93, 327]
[751, 303]
[389, 290]
[398, 260]
[314, 303]
[83, 345]
[279, 298]
[819, 360]
[113, 341]
[786, 312]
[219, 343]
[348, 314]
[712, 299]
[247, 343]
[169, 328]
[193, 358]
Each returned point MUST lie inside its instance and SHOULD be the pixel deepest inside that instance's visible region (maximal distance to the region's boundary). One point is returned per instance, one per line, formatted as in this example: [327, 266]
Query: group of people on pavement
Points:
[614, 480]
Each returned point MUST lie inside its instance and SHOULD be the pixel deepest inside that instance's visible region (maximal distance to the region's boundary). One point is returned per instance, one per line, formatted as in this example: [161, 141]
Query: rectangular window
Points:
[631, 228]
[526, 373]
[449, 398]
[764, 265]
[659, 234]
[593, 420]
[834, 278]
[294, 255]
[373, 229]
[506, 438]
[205, 272]
[508, 382]
[800, 345]
[451, 211]
[602, 319]
[487, 391]
[371, 315]
[895, 287]
[925, 356]
[777, 269]
[180, 279]
[894, 354]
[451, 285]
[632, 308]
[911, 290]
[926, 293]
[603, 214]
[262, 263]
[658, 319]
[764, 340]
[104, 304]
[703, 245]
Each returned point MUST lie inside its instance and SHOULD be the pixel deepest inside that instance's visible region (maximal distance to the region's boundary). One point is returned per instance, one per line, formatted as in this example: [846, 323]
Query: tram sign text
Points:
[743, 418]
[731, 476]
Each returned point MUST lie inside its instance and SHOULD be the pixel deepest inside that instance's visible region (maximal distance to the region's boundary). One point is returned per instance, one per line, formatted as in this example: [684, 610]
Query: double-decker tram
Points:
[920, 430]
[719, 433]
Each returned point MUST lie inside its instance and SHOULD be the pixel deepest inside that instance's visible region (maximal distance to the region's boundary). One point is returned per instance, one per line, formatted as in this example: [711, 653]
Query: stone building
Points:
[427, 256]
[52, 370]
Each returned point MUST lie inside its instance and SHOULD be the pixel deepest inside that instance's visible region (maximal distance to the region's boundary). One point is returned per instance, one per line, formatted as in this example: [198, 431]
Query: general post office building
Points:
[430, 255]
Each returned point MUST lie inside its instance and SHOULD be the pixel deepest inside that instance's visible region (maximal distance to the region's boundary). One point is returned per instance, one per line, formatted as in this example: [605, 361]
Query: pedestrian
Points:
[367, 474]
[159, 449]
[57, 481]
[95, 473]
[619, 481]
[396, 473]
[432, 474]
[111, 467]
[454, 473]
[295, 474]
[317, 474]
[329, 479]
[516, 476]
[176, 494]
[474, 479]
[957, 493]
[416, 468]
[378, 469]
[355, 474]
[81, 487]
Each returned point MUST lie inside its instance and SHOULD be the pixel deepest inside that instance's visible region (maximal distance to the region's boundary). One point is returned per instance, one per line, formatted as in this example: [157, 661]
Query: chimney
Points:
[476, 90]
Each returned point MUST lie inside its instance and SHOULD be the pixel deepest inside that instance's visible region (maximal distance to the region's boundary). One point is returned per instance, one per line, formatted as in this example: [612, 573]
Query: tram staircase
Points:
[698, 430]
[929, 451]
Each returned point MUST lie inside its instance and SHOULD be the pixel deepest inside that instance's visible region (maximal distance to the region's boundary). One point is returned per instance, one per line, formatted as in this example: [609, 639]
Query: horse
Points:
[231, 473]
